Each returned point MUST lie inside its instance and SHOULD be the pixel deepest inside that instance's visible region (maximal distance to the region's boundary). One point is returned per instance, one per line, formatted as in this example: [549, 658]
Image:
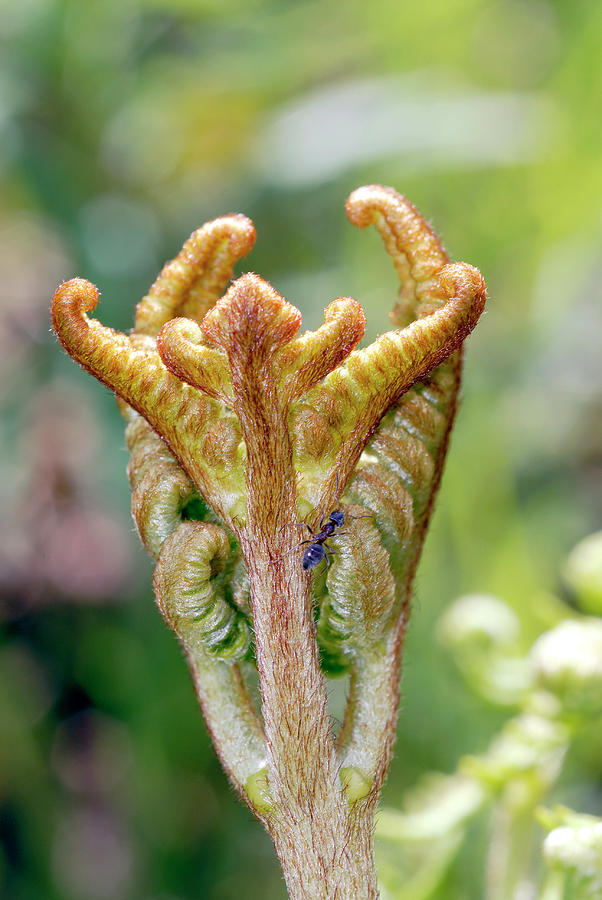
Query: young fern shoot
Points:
[231, 412]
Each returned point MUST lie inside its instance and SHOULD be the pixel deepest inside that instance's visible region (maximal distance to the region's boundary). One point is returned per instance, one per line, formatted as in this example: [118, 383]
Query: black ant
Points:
[318, 548]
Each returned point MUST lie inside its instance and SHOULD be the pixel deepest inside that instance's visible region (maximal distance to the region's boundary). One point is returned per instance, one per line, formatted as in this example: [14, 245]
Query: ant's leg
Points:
[292, 550]
[296, 547]
[328, 549]
[304, 525]
[327, 560]
[336, 503]
[326, 552]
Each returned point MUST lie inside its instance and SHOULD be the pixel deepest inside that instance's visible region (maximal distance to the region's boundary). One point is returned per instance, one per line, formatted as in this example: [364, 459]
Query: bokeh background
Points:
[124, 125]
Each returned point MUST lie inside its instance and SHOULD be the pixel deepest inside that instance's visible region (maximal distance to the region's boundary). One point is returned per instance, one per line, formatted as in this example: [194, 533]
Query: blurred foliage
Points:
[559, 700]
[124, 124]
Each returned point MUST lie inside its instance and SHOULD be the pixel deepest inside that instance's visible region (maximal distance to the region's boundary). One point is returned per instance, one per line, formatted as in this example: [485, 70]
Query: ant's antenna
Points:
[347, 516]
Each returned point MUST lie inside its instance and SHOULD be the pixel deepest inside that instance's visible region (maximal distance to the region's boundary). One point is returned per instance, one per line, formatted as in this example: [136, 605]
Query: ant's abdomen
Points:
[313, 556]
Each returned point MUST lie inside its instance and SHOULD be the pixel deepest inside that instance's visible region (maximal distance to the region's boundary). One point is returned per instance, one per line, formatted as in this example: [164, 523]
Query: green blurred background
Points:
[124, 125]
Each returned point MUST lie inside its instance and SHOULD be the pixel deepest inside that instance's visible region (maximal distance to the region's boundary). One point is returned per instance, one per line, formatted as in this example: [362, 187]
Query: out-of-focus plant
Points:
[583, 573]
[573, 855]
[237, 429]
[557, 687]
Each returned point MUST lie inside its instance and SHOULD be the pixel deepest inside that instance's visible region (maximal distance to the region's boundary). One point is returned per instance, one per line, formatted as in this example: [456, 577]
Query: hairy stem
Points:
[325, 848]
[234, 728]
[368, 733]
